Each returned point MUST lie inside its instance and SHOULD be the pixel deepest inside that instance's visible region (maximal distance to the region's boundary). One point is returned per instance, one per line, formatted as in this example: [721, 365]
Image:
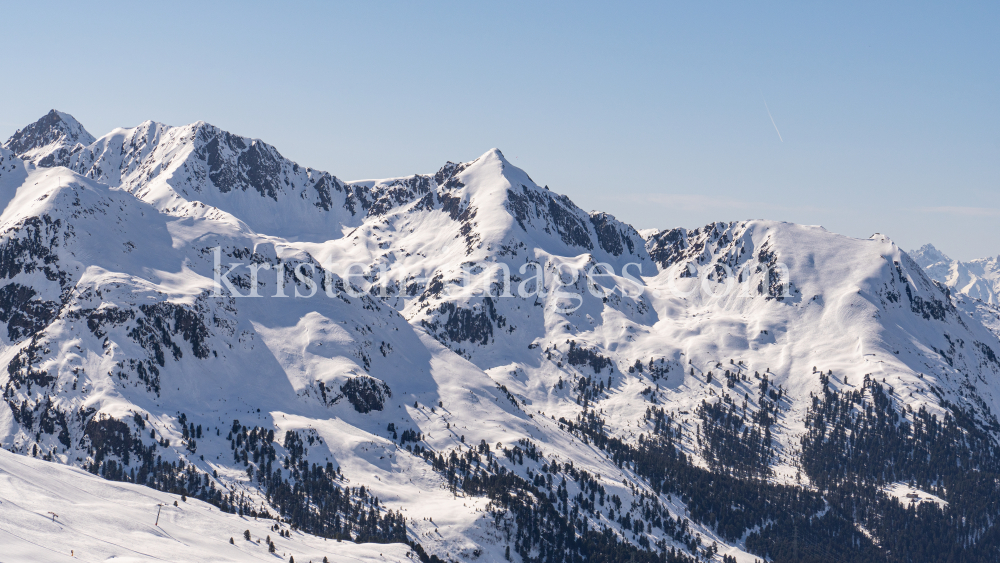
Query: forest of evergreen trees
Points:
[315, 499]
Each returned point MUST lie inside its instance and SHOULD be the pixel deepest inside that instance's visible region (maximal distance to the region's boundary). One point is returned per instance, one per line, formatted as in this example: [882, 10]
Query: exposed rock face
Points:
[50, 141]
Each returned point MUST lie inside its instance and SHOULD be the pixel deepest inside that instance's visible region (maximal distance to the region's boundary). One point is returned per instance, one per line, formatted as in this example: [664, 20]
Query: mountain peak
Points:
[492, 159]
[496, 166]
[495, 154]
[51, 140]
[927, 255]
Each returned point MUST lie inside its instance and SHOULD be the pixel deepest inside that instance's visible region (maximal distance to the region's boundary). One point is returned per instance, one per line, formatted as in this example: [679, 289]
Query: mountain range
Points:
[979, 279]
[469, 367]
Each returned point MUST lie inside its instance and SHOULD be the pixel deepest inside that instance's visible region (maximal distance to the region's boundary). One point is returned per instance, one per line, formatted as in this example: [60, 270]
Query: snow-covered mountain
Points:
[199, 170]
[50, 141]
[468, 362]
[979, 279]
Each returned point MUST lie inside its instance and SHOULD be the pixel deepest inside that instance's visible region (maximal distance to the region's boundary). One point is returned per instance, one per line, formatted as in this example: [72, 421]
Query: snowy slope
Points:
[99, 520]
[828, 303]
[455, 380]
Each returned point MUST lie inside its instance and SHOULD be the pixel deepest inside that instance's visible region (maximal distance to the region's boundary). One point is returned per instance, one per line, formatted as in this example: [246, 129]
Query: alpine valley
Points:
[428, 366]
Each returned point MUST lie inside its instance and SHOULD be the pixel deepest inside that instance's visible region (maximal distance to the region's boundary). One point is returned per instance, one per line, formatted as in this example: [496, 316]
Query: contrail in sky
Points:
[772, 118]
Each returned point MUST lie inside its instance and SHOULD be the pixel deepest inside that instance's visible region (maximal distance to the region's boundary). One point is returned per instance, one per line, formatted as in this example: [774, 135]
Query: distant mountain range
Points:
[979, 279]
[468, 363]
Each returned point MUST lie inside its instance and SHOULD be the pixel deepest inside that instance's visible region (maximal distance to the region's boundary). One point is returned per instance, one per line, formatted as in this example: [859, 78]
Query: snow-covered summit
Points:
[936, 263]
[200, 169]
[928, 255]
[51, 140]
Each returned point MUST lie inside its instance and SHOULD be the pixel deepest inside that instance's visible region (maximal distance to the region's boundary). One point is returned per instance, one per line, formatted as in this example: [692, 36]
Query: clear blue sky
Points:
[889, 113]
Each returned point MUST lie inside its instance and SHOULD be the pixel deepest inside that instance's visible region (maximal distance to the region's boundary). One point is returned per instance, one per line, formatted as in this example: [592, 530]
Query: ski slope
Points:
[98, 520]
